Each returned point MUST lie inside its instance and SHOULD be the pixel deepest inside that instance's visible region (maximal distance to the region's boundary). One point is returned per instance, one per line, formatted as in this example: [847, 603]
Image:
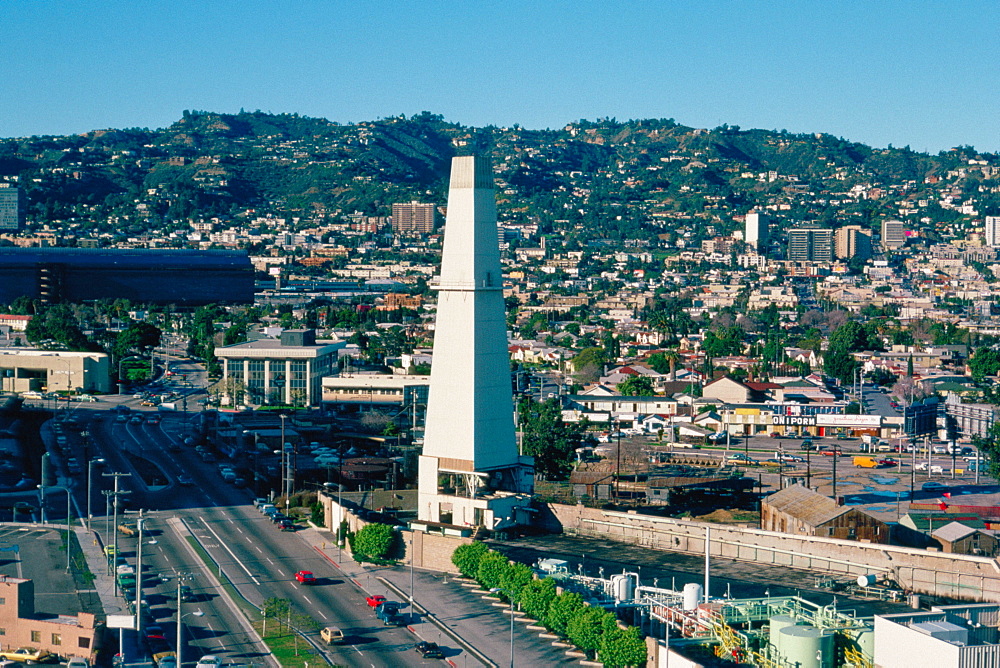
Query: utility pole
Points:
[115, 495]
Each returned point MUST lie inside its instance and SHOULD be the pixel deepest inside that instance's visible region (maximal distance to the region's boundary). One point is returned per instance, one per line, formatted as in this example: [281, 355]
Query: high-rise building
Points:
[992, 237]
[893, 234]
[756, 229]
[810, 244]
[853, 241]
[12, 205]
[413, 218]
[470, 471]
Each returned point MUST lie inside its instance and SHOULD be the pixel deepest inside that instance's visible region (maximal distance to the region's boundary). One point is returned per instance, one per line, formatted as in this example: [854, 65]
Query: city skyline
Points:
[892, 74]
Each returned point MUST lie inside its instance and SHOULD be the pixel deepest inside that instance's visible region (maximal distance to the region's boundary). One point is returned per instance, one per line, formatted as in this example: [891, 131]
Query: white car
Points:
[935, 469]
[209, 661]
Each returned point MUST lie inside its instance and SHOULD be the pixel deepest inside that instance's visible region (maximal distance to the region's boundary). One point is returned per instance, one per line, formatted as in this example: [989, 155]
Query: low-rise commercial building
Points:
[21, 626]
[23, 370]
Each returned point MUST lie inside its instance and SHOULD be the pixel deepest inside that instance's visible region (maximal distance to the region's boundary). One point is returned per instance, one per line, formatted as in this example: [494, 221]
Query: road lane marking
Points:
[226, 547]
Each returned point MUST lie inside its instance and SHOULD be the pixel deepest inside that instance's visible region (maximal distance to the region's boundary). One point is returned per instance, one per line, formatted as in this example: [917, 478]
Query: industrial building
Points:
[182, 277]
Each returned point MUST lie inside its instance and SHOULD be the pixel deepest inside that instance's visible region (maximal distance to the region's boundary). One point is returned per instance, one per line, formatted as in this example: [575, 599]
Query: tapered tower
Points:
[470, 471]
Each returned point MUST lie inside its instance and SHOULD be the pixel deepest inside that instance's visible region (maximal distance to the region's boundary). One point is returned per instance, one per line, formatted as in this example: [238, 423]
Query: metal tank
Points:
[776, 625]
[807, 647]
[692, 596]
[623, 586]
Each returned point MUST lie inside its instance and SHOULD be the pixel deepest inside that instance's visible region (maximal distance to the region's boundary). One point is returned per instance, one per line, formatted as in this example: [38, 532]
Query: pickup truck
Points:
[388, 612]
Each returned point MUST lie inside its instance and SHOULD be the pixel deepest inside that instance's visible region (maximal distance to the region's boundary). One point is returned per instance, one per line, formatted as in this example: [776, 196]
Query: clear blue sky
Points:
[923, 74]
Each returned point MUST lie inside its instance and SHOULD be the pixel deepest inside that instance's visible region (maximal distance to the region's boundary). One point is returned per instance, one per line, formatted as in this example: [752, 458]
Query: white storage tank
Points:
[807, 647]
[692, 595]
[867, 580]
[623, 586]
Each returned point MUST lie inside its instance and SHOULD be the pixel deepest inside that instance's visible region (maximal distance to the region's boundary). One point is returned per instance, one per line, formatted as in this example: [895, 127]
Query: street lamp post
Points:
[180, 621]
[496, 590]
[90, 475]
[69, 498]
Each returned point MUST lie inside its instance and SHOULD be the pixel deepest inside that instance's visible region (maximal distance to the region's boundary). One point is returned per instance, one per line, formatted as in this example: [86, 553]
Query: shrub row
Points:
[593, 630]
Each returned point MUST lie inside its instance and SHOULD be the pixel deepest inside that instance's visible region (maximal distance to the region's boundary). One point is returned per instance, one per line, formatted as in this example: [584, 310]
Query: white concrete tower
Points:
[756, 231]
[470, 470]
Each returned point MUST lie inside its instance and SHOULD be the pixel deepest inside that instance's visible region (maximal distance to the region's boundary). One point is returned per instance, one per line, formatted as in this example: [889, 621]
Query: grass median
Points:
[288, 648]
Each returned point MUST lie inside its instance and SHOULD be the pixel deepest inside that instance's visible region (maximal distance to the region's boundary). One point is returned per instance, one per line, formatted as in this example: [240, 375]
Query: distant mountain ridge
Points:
[620, 179]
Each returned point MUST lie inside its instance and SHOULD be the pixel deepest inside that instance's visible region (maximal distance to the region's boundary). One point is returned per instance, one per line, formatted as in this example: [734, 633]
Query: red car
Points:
[375, 601]
[887, 462]
[305, 577]
[832, 452]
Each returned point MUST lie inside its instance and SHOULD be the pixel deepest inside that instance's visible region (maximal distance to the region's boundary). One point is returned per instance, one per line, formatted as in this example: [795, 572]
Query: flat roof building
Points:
[12, 205]
[184, 277]
[413, 217]
[288, 370]
[26, 369]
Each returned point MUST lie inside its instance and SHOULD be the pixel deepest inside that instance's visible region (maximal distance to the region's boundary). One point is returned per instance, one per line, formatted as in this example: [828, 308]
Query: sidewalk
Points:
[104, 587]
[471, 630]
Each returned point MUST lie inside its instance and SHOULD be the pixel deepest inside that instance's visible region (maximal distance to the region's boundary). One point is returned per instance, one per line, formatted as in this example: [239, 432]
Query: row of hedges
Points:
[593, 630]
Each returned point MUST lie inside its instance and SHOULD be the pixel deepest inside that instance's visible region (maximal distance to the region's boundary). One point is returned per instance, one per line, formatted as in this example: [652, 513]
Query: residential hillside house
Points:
[800, 511]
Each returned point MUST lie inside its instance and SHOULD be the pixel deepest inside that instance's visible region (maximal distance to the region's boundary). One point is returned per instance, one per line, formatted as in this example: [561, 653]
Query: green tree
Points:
[636, 386]
[536, 597]
[587, 627]
[549, 439]
[984, 362]
[492, 566]
[622, 647]
[850, 337]
[589, 364]
[514, 579]
[561, 610]
[373, 541]
[136, 338]
[840, 364]
[466, 558]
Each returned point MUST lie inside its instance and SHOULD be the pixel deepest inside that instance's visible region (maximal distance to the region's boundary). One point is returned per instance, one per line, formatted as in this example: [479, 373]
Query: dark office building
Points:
[182, 277]
[810, 244]
[11, 207]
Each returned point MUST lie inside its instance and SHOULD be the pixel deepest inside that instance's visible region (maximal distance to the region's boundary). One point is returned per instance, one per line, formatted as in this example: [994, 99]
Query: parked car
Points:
[286, 525]
[785, 457]
[305, 577]
[26, 655]
[936, 470]
[375, 601]
[429, 650]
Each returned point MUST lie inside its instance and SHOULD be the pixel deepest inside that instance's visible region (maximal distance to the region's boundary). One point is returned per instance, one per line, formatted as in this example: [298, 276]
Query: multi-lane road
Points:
[246, 549]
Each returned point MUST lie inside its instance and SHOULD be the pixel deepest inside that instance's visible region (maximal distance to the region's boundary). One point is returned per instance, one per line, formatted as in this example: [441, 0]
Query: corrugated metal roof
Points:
[806, 505]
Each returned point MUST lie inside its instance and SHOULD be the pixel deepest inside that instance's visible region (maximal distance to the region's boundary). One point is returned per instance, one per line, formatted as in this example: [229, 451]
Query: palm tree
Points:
[672, 356]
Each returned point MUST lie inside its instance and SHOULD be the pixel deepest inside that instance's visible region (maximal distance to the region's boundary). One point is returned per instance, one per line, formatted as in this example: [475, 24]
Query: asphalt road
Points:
[259, 560]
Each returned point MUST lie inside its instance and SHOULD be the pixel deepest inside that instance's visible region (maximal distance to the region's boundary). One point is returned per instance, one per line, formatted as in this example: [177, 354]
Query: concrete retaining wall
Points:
[917, 571]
